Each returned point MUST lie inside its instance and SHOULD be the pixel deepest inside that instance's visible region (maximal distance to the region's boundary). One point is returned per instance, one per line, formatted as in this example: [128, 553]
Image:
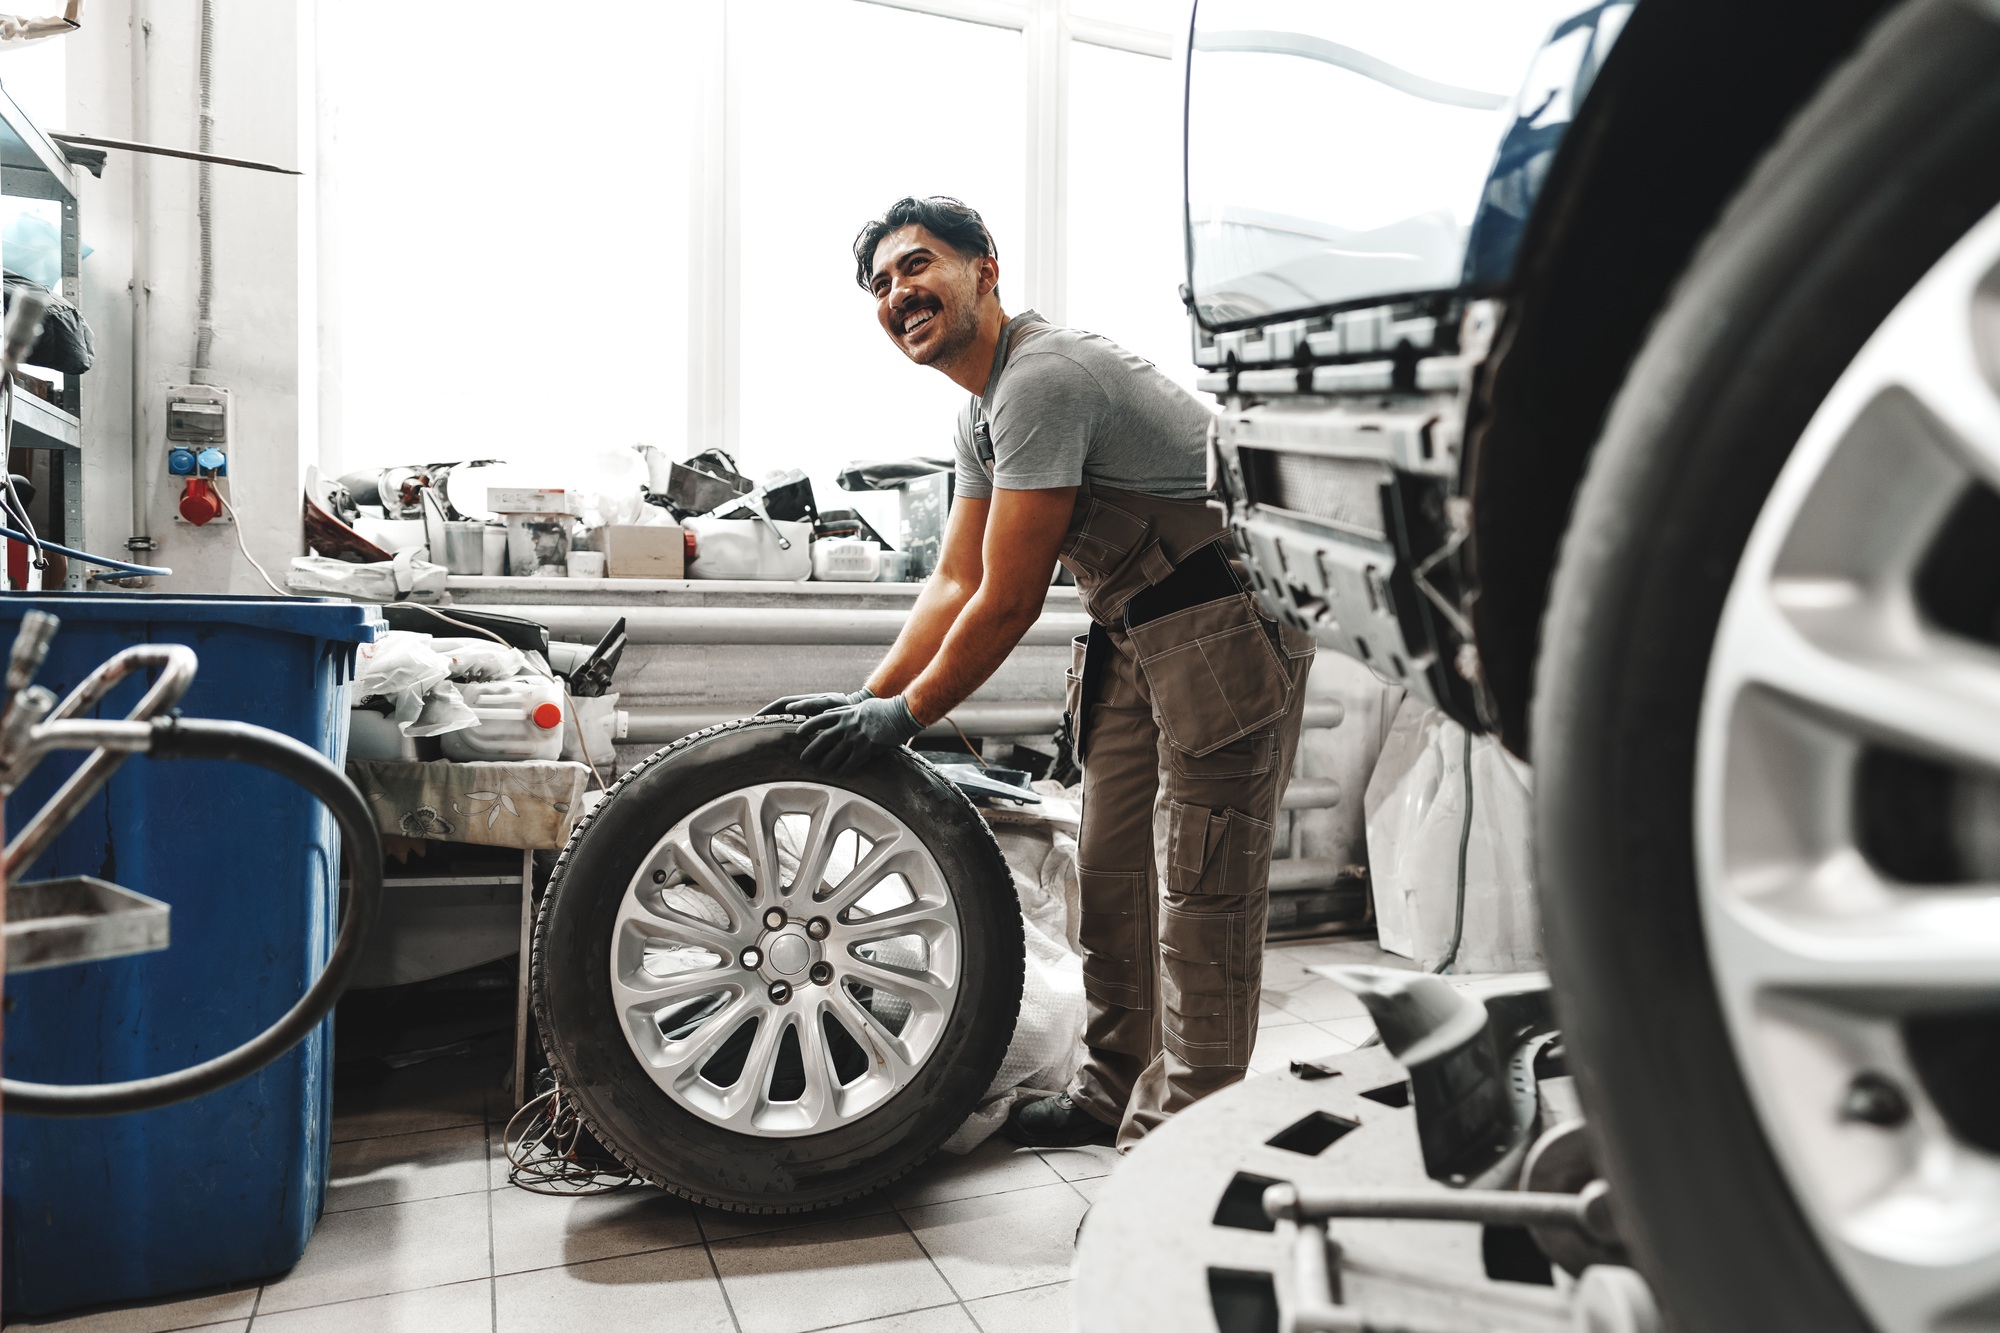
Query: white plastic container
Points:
[747, 548]
[518, 719]
[847, 560]
[373, 735]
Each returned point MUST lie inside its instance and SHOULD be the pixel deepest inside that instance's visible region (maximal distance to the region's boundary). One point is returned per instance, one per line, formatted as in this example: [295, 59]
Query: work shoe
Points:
[1056, 1122]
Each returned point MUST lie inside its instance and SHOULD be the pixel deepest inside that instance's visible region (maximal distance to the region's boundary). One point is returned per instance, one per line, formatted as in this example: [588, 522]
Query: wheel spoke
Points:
[1917, 949]
[817, 1103]
[644, 912]
[751, 1092]
[934, 921]
[636, 988]
[822, 808]
[924, 990]
[1888, 678]
[683, 1060]
[884, 858]
[1927, 347]
[887, 1055]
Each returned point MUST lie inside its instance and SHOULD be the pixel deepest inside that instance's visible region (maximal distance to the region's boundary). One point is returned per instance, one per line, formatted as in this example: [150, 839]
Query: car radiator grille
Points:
[1346, 492]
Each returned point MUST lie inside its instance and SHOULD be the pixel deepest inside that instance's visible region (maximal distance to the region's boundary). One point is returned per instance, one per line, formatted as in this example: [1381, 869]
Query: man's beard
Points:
[950, 343]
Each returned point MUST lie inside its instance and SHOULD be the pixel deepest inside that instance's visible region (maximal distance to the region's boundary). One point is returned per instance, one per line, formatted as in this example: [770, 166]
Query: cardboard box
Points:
[635, 552]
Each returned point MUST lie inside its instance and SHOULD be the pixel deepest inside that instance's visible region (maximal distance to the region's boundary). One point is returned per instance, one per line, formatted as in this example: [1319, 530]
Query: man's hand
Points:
[844, 739]
[811, 705]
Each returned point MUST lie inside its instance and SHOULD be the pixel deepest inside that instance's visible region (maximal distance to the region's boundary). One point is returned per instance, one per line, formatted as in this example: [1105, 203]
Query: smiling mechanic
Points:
[1184, 699]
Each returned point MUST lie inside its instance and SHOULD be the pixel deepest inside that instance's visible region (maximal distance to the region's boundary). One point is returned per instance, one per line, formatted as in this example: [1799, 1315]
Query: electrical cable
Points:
[553, 1153]
[1464, 841]
[968, 742]
[237, 524]
[239, 742]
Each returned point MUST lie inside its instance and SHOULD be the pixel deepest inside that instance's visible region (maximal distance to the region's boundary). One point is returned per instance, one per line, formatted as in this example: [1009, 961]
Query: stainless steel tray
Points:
[57, 922]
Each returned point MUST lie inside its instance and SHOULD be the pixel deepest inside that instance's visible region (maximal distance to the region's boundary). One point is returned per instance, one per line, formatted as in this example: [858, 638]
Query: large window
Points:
[833, 127]
[508, 231]
[636, 229]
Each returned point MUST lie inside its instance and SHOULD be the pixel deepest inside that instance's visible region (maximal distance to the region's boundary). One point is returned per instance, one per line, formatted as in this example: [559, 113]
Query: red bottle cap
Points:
[547, 716]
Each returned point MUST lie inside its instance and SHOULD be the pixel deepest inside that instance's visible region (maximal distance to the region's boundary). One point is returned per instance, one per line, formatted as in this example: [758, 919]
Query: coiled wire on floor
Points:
[550, 1152]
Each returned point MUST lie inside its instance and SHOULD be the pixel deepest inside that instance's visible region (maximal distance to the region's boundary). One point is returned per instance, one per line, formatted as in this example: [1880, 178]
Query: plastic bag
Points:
[1039, 843]
[379, 581]
[406, 669]
[481, 659]
[1415, 806]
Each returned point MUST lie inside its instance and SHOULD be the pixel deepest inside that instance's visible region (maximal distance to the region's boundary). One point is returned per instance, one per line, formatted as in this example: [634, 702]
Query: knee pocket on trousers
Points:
[1216, 851]
[1112, 929]
[1205, 987]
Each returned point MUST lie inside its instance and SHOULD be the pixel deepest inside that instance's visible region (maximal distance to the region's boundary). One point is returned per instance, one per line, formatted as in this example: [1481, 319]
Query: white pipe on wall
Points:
[141, 539]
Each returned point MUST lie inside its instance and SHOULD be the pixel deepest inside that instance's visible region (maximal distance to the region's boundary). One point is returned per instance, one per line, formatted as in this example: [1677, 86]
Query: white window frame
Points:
[714, 278]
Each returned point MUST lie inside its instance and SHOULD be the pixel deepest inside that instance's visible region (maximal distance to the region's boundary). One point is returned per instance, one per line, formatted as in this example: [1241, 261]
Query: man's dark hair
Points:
[955, 223]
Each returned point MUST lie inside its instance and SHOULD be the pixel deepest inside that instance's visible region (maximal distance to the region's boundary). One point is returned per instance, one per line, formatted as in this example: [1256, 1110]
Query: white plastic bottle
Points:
[518, 719]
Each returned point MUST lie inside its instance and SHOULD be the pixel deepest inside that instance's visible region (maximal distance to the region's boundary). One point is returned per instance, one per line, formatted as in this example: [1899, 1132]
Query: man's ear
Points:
[989, 275]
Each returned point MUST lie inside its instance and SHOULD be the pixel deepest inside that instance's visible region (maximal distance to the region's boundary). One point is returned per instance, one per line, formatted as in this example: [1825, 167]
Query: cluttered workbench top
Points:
[477, 590]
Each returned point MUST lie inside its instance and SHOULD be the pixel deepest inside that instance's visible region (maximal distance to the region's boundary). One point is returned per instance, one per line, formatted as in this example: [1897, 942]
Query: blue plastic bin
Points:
[225, 1188]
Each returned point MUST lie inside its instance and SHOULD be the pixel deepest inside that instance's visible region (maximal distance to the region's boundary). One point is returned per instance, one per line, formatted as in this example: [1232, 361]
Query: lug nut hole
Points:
[774, 919]
[751, 958]
[819, 928]
[822, 973]
[780, 992]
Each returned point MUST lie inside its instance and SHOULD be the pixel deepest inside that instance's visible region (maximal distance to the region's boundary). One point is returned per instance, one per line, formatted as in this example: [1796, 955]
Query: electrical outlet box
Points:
[200, 417]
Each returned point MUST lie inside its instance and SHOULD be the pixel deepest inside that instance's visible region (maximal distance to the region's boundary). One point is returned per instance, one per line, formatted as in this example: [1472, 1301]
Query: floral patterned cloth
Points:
[533, 803]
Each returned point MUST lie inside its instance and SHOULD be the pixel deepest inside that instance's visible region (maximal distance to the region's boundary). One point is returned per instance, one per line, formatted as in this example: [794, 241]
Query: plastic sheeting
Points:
[1415, 805]
[1039, 843]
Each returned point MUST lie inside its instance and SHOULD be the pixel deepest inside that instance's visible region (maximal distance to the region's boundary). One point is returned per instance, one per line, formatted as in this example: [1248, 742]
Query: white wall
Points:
[263, 225]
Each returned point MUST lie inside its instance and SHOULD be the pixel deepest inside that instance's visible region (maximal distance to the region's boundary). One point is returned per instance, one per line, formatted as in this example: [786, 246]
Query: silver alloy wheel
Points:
[1825, 656]
[786, 959]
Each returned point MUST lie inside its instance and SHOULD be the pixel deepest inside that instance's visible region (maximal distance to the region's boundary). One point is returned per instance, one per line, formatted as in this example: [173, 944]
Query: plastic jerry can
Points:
[518, 719]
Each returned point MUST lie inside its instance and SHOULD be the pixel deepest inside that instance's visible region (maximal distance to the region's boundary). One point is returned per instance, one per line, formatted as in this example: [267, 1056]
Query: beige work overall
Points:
[1186, 726]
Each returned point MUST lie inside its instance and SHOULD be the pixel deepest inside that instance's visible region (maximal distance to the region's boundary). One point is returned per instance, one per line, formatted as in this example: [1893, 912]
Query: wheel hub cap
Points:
[790, 953]
[786, 959]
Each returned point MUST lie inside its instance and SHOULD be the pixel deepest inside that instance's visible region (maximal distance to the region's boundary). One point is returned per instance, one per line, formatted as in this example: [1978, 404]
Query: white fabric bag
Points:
[1415, 805]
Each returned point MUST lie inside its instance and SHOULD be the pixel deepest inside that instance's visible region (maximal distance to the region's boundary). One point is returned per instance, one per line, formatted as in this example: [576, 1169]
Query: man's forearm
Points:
[984, 633]
[931, 619]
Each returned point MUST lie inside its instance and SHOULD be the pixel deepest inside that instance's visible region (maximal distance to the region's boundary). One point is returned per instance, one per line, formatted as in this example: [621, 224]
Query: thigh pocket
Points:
[1248, 757]
[1204, 993]
[1215, 853]
[1214, 674]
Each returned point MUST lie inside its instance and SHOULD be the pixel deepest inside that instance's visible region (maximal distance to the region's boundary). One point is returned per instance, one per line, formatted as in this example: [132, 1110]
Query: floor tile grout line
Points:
[720, 1285]
[400, 1133]
[492, 1250]
[255, 1302]
[397, 1203]
[371, 1296]
[936, 1267]
[921, 1309]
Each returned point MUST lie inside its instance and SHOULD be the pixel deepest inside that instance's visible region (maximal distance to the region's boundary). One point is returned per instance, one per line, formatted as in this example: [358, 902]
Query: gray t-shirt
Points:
[1065, 405]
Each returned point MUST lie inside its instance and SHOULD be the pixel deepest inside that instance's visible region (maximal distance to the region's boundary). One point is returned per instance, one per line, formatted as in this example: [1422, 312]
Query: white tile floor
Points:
[422, 1233]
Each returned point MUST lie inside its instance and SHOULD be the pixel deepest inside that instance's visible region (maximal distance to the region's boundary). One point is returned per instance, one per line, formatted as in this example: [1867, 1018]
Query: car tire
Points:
[1895, 160]
[596, 1060]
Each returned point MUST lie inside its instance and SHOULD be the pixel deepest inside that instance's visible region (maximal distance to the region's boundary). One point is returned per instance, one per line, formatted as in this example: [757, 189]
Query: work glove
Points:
[812, 705]
[844, 739]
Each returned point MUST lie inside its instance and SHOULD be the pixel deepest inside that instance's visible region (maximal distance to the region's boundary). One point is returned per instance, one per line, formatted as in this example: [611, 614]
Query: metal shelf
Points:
[42, 425]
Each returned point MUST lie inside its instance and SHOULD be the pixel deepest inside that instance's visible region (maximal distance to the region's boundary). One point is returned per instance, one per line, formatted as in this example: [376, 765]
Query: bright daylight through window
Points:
[552, 250]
